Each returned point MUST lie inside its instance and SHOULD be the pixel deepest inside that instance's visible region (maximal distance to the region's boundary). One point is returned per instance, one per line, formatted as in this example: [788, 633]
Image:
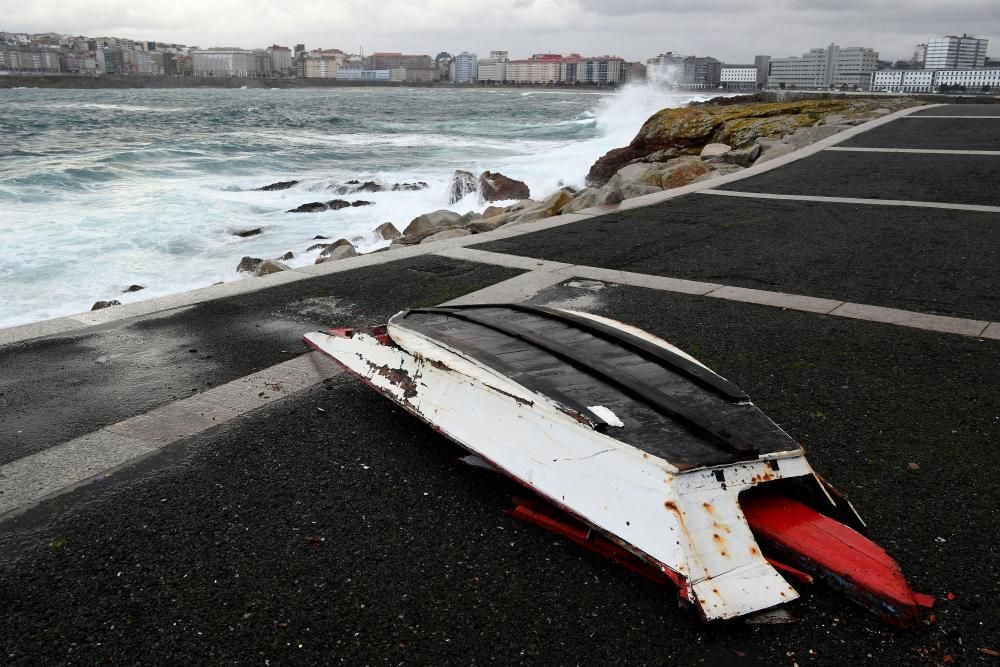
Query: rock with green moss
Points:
[673, 133]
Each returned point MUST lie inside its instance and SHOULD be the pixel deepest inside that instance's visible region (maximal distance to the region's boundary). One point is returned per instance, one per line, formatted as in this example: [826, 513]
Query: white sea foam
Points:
[81, 225]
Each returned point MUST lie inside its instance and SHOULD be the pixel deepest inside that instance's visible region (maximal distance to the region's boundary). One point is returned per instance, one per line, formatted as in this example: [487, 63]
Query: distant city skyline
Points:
[730, 30]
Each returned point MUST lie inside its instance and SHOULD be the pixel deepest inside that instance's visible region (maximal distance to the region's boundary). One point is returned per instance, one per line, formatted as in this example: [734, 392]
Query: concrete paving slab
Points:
[945, 133]
[498, 259]
[776, 299]
[937, 178]
[39, 475]
[992, 331]
[53, 390]
[640, 279]
[905, 318]
[38, 329]
[516, 289]
[916, 259]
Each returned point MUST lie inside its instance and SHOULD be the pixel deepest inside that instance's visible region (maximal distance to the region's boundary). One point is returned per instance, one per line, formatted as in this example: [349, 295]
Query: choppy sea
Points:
[102, 189]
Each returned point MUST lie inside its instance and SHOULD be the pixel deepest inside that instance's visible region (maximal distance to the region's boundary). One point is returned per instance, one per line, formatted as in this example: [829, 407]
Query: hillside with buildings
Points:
[942, 64]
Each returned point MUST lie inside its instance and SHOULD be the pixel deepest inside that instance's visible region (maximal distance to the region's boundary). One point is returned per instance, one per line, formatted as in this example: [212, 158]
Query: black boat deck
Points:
[671, 407]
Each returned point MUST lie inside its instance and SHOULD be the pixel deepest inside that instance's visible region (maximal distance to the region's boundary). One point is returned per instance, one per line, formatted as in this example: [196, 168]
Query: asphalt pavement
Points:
[58, 388]
[330, 526]
[917, 259]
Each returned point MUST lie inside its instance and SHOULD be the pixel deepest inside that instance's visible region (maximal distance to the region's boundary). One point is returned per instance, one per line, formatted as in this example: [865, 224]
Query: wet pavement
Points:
[330, 526]
[920, 259]
[58, 388]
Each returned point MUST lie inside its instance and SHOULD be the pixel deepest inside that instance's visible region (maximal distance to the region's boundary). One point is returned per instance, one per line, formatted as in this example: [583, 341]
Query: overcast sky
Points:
[730, 30]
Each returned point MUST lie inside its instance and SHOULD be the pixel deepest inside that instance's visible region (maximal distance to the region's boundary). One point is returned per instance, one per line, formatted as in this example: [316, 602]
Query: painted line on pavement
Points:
[808, 304]
[80, 321]
[32, 479]
[926, 151]
[855, 200]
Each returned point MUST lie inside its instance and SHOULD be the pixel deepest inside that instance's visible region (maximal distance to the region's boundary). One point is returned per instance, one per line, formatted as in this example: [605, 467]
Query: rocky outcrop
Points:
[341, 251]
[446, 234]
[332, 205]
[671, 174]
[409, 187]
[269, 266]
[311, 207]
[100, 305]
[497, 187]
[249, 264]
[287, 256]
[339, 243]
[673, 133]
[244, 233]
[388, 231]
[714, 150]
[280, 185]
[462, 183]
[133, 288]
[421, 225]
[369, 186]
[743, 158]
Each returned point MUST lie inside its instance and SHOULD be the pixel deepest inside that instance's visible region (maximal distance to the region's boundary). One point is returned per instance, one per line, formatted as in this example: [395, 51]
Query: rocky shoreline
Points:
[674, 148]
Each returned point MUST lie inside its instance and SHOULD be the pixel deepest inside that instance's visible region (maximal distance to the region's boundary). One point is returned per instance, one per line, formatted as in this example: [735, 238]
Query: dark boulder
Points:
[410, 187]
[388, 231]
[311, 207]
[462, 183]
[248, 232]
[133, 288]
[280, 185]
[370, 186]
[362, 202]
[497, 187]
[287, 256]
[337, 204]
[106, 304]
[249, 264]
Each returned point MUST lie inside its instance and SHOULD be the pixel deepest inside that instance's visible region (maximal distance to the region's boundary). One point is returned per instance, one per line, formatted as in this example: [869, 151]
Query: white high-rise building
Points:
[493, 68]
[951, 52]
[819, 69]
[465, 68]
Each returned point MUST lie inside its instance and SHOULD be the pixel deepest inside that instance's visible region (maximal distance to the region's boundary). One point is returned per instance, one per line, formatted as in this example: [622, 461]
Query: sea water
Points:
[102, 189]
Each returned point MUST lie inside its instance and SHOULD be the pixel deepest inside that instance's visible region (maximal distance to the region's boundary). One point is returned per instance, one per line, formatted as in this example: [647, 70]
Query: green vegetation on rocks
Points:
[672, 133]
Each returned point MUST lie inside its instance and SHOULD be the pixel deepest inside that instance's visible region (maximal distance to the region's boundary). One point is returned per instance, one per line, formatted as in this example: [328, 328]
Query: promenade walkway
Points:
[181, 482]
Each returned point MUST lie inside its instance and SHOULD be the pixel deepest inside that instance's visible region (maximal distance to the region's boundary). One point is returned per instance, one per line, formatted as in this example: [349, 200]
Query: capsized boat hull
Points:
[679, 517]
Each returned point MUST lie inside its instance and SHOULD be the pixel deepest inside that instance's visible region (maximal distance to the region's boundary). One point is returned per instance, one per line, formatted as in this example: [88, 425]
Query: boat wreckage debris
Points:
[636, 451]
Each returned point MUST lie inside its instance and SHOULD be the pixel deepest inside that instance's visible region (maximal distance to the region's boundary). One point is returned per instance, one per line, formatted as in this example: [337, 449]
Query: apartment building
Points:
[28, 59]
[823, 68]
[934, 80]
[225, 62]
[281, 60]
[389, 61]
[322, 64]
[464, 68]
[539, 68]
[493, 68]
[951, 52]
